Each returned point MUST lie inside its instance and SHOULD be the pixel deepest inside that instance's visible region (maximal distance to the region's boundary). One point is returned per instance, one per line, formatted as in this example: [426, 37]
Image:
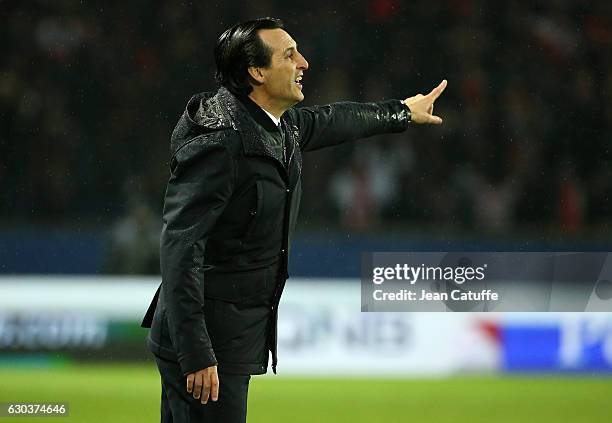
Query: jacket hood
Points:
[205, 112]
[212, 112]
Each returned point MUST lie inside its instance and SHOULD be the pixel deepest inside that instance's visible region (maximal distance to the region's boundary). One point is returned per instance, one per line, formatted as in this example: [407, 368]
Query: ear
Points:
[256, 74]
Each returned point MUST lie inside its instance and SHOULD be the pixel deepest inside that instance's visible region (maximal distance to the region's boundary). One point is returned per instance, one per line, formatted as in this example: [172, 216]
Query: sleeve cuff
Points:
[197, 361]
[408, 112]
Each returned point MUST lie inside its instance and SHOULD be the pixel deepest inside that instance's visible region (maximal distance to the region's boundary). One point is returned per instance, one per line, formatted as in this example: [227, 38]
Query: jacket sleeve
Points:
[200, 185]
[333, 124]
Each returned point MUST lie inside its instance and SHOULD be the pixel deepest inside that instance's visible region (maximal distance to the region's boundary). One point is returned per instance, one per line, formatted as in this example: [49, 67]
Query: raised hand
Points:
[421, 106]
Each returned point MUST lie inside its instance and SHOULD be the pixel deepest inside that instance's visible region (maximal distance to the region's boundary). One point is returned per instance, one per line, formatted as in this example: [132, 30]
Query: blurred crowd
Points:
[90, 92]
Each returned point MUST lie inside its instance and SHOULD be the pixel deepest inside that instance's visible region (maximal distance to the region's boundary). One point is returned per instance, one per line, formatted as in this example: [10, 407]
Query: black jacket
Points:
[230, 208]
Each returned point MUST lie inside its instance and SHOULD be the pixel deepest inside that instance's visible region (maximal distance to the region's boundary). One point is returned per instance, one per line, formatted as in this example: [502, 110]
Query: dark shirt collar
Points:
[258, 114]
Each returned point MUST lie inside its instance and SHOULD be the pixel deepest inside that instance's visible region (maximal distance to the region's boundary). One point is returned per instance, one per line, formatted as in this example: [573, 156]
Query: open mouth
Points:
[298, 81]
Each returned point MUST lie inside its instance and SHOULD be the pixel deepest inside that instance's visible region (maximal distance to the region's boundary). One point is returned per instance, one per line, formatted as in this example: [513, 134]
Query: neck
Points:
[267, 104]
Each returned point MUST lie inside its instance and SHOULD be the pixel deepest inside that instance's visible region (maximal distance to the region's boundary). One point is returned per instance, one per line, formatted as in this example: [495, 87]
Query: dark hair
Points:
[239, 48]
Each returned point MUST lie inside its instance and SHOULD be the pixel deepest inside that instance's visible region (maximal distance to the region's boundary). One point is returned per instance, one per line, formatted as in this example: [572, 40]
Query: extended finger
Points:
[197, 386]
[214, 387]
[190, 383]
[435, 93]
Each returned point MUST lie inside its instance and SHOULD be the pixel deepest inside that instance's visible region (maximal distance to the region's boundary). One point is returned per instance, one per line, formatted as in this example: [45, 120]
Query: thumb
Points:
[436, 120]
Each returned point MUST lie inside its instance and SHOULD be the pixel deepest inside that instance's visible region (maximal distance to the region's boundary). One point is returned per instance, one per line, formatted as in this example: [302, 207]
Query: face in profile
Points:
[282, 80]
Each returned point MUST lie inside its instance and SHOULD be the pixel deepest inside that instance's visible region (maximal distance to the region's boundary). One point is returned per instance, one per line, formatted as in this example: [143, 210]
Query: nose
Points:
[303, 64]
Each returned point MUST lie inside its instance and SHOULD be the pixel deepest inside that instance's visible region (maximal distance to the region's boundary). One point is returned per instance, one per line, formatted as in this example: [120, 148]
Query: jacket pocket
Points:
[258, 210]
[235, 286]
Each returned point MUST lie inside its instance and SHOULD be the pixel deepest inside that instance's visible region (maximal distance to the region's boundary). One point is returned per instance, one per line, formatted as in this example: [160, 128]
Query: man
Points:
[231, 205]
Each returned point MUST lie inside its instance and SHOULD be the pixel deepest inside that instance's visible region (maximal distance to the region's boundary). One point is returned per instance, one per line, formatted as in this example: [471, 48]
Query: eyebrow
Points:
[289, 49]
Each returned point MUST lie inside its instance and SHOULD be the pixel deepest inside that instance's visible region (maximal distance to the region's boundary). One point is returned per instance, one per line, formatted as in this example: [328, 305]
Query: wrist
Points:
[408, 110]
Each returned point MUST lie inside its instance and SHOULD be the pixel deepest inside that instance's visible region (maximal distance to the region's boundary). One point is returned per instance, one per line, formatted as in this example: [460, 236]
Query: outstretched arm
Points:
[333, 124]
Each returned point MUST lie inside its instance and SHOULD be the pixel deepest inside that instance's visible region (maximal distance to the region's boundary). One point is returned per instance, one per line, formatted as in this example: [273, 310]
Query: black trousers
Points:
[179, 406]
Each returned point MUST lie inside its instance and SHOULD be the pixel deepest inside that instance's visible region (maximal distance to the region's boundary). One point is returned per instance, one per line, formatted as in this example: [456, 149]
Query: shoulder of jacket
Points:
[198, 147]
[227, 139]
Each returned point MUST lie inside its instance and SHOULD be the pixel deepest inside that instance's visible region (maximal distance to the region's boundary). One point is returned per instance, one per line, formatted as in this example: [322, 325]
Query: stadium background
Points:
[90, 91]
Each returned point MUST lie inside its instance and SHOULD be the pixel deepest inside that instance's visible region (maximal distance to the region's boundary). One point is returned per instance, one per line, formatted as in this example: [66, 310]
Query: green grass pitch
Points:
[130, 393]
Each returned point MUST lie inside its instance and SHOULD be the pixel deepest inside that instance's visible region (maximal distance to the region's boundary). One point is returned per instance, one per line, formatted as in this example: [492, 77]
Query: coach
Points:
[230, 208]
